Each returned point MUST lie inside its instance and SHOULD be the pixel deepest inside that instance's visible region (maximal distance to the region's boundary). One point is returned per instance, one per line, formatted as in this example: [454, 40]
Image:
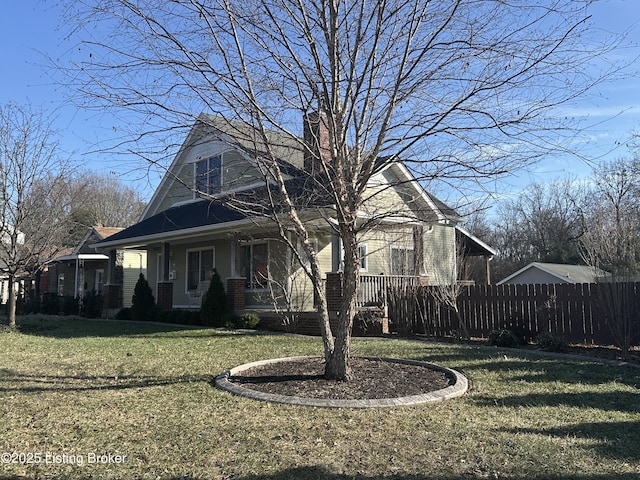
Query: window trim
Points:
[250, 285]
[363, 259]
[60, 285]
[405, 249]
[97, 286]
[212, 249]
[209, 190]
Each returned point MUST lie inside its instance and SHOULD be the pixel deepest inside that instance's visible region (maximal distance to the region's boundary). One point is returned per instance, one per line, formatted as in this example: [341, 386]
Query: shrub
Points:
[70, 305]
[214, 309]
[143, 305]
[368, 323]
[232, 321]
[250, 320]
[124, 314]
[504, 338]
[180, 317]
[92, 304]
[50, 304]
[551, 342]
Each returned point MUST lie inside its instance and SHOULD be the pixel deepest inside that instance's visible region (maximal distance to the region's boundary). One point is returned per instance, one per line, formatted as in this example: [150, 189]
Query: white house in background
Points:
[543, 273]
[5, 237]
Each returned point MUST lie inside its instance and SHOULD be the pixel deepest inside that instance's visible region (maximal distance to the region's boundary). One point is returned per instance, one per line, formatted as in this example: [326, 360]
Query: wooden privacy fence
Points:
[576, 312]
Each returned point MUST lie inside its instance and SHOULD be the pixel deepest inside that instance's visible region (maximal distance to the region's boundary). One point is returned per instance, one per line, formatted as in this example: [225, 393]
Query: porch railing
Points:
[372, 291]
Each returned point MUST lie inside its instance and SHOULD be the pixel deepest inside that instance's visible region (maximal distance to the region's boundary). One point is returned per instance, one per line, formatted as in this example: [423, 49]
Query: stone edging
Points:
[460, 386]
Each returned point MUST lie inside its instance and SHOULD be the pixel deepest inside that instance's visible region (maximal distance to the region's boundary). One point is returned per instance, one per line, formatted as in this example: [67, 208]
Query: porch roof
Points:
[472, 245]
[192, 215]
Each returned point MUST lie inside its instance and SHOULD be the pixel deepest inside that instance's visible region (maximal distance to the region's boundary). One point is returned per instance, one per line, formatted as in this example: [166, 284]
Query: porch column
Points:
[336, 253]
[166, 261]
[113, 287]
[334, 291]
[165, 286]
[418, 250]
[236, 293]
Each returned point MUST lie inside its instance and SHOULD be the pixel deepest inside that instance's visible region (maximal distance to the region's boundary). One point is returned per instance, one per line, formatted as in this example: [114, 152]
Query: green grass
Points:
[74, 387]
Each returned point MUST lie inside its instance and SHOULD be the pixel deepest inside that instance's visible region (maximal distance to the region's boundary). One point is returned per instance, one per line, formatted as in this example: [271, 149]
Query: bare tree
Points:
[612, 239]
[101, 200]
[459, 90]
[33, 222]
[544, 223]
[612, 243]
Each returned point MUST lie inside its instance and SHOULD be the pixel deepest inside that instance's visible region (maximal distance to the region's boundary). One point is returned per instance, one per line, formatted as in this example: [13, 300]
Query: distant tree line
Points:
[585, 222]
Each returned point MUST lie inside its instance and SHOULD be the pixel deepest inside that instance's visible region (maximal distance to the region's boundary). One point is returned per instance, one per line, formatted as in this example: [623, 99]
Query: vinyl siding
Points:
[440, 254]
[134, 263]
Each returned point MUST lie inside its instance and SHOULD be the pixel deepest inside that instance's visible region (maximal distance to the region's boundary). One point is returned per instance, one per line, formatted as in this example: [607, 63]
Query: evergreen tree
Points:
[143, 305]
[214, 310]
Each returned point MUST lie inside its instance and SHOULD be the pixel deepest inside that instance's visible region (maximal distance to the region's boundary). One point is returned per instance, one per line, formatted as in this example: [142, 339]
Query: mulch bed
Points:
[372, 379]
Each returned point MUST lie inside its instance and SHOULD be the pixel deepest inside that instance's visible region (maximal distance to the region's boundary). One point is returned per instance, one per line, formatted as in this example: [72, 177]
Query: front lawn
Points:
[134, 400]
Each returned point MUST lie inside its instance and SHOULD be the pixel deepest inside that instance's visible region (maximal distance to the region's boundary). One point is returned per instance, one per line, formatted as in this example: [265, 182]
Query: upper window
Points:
[199, 267]
[402, 261]
[208, 175]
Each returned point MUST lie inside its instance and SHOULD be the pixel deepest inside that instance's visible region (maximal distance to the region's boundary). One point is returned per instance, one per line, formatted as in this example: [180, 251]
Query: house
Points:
[22, 280]
[542, 273]
[186, 236]
[85, 268]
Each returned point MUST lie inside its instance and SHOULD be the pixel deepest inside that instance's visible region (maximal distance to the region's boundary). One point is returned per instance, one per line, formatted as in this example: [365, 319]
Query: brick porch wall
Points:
[236, 293]
[165, 295]
[334, 291]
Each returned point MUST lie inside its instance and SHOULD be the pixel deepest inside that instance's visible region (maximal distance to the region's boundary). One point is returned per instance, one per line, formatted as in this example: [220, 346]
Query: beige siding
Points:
[134, 263]
[178, 185]
[179, 190]
[440, 254]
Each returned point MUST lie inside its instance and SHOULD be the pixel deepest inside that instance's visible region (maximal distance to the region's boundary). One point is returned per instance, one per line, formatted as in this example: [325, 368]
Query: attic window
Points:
[208, 175]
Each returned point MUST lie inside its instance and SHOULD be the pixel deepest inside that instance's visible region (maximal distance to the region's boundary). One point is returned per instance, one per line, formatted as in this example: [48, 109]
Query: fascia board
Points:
[464, 231]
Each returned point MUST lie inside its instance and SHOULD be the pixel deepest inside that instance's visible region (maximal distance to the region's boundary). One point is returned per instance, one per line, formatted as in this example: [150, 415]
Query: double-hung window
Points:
[208, 175]
[255, 264]
[99, 280]
[199, 267]
[362, 257]
[402, 261]
[60, 284]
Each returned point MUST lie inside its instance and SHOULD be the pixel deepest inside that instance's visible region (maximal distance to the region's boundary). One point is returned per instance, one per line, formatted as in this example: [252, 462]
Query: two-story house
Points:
[186, 236]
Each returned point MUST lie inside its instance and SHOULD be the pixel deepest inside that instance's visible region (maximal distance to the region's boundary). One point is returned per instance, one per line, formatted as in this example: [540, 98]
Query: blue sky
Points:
[28, 32]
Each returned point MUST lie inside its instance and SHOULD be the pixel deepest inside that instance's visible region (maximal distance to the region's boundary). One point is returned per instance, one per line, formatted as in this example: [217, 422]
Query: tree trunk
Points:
[337, 366]
[11, 314]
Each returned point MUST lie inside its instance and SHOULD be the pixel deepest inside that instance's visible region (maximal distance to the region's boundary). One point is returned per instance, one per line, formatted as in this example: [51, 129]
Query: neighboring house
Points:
[541, 273]
[86, 268]
[23, 281]
[186, 236]
[4, 285]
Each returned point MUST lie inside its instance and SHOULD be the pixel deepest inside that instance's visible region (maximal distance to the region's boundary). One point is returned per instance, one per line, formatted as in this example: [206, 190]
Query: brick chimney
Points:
[316, 139]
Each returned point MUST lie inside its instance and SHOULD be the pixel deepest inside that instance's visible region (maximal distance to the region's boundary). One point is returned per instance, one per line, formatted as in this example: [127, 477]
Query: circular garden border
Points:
[457, 389]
